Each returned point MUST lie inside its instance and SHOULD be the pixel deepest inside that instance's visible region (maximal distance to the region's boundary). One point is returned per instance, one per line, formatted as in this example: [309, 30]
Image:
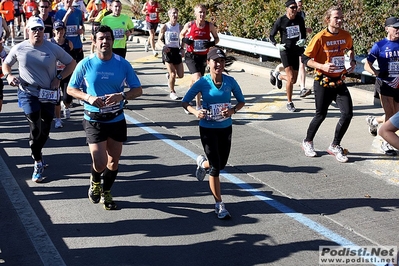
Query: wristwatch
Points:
[123, 95]
[59, 77]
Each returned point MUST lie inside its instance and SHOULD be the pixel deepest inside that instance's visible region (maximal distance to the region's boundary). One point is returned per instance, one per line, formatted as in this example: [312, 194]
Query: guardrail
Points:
[263, 49]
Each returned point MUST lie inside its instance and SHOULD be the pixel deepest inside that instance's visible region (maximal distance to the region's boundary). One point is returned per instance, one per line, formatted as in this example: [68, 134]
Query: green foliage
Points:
[253, 19]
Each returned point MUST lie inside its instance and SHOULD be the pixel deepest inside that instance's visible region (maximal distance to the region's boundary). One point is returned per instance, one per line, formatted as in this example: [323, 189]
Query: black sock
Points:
[95, 177]
[109, 177]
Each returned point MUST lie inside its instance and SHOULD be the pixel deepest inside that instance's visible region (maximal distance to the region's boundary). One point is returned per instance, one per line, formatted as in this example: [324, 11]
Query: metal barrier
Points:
[263, 48]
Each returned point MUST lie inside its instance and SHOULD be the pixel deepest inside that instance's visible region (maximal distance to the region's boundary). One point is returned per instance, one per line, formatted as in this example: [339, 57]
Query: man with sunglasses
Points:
[48, 20]
[386, 52]
[293, 37]
[38, 85]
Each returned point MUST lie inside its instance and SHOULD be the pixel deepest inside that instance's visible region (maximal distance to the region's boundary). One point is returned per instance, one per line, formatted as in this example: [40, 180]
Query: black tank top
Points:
[64, 46]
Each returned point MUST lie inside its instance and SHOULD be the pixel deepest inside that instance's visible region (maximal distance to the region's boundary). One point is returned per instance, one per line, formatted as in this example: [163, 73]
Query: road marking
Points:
[35, 230]
[314, 226]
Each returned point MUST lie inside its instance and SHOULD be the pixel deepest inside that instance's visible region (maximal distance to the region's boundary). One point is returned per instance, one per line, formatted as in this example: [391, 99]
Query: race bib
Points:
[215, 111]
[153, 16]
[49, 96]
[172, 39]
[393, 69]
[110, 109]
[199, 45]
[60, 66]
[119, 34]
[339, 62]
[293, 32]
[71, 30]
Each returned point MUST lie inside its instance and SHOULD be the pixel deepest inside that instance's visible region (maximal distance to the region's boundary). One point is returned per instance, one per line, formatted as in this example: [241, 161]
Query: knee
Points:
[214, 172]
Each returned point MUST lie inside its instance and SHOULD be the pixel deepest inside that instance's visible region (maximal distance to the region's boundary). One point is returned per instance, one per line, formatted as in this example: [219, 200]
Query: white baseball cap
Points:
[34, 22]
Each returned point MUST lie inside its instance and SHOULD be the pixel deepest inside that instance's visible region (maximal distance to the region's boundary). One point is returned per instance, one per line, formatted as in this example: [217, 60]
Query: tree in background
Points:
[253, 19]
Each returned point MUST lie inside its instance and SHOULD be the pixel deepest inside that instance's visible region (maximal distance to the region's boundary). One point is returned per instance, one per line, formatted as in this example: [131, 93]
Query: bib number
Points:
[339, 62]
[110, 109]
[215, 111]
[393, 69]
[49, 96]
[199, 45]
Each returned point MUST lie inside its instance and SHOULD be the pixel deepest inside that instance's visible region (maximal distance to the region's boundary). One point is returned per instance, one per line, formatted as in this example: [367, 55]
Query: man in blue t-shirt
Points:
[99, 81]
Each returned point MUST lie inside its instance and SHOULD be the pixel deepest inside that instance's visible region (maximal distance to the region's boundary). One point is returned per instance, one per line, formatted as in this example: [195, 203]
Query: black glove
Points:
[187, 41]
[209, 44]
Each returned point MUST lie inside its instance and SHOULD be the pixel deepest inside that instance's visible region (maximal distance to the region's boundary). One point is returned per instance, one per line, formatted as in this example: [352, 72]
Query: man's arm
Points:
[214, 32]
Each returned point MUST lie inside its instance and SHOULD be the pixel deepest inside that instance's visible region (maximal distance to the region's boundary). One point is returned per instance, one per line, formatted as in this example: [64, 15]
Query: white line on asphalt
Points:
[318, 228]
[35, 230]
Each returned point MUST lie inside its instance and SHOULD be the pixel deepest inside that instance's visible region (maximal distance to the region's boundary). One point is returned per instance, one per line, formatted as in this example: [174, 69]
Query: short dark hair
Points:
[103, 28]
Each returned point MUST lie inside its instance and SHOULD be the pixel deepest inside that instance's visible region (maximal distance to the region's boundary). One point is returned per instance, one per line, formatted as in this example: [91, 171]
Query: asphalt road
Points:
[284, 205]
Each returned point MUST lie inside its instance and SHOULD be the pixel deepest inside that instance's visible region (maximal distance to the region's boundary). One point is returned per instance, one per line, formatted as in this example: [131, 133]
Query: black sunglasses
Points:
[37, 29]
[43, 6]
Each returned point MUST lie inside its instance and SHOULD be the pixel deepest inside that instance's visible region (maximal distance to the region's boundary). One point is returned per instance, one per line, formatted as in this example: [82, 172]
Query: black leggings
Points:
[217, 144]
[39, 125]
[323, 99]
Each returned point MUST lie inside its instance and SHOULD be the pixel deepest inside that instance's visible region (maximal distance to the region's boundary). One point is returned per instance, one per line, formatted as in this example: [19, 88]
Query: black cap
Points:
[216, 53]
[392, 22]
[289, 2]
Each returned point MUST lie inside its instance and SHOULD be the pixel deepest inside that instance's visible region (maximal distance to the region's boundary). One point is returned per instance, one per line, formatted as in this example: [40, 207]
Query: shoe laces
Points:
[95, 188]
[107, 197]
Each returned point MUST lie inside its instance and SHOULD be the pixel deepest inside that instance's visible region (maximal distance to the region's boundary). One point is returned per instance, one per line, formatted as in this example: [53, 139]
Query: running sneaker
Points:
[173, 96]
[305, 92]
[279, 81]
[388, 149]
[291, 107]
[155, 53]
[106, 199]
[272, 78]
[221, 211]
[94, 192]
[200, 173]
[38, 171]
[338, 152]
[308, 148]
[373, 125]
[58, 123]
[67, 113]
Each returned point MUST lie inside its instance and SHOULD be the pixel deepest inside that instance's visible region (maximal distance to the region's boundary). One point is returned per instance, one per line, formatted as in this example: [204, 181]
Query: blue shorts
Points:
[30, 103]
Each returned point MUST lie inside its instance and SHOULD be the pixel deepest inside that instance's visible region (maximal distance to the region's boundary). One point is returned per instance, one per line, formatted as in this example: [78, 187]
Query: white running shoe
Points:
[338, 152]
[173, 96]
[373, 125]
[221, 211]
[200, 173]
[308, 148]
[388, 149]
[58, 123]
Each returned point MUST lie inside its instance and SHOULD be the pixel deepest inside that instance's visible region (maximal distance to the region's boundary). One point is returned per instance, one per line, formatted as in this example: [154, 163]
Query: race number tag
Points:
[293, 32]
[199, 45]
[49, 96]
[393, 69]
[172, 39]
[339, 62]
[110, 109]
[215, 111]
[71, 30]
[153, 16]
[119, 34]
[60, 66]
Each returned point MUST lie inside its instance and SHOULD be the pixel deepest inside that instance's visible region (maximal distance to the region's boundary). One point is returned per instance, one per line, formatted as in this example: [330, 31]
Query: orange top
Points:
[7, 9]
[330, 48]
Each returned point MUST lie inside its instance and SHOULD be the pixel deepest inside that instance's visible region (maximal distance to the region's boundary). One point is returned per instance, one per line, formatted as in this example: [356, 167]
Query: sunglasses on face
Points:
[43, 6]
[37, 29]
[293, 7]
